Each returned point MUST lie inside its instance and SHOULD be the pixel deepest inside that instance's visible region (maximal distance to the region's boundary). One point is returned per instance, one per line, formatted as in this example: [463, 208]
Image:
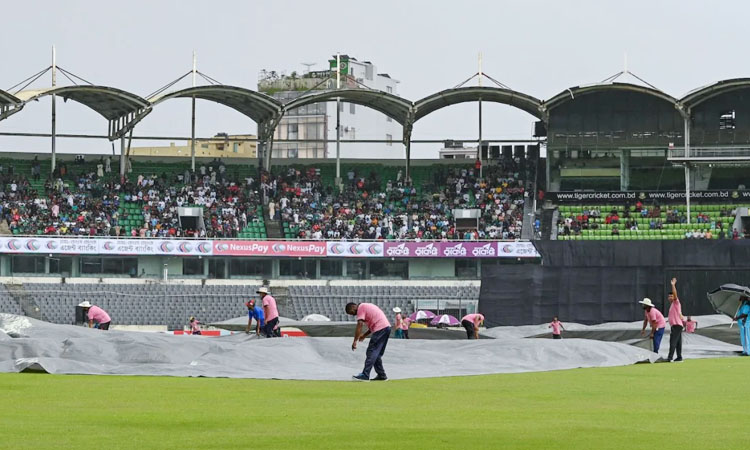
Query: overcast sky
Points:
[536, 47]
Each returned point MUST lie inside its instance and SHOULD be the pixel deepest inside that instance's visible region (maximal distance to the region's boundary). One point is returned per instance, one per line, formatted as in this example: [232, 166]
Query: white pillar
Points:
[687, 189]
[123, 160]
[192, 127]
[338, 121]
[54, 112]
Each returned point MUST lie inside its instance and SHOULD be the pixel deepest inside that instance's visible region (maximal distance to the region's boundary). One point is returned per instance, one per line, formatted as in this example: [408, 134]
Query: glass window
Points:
[311, 131]
[389, 269]
[111, 266]
[248, 267]
[331, 268]
[341, 106]
[192, 266]
[389, 89]
[27, 264]
[352, 108]
[292, 131]
[235, 145]
[466, 268]
[216, 268]
[356, 269]
[61, 265]
[91, 265]
[297, 268]
[389, 138]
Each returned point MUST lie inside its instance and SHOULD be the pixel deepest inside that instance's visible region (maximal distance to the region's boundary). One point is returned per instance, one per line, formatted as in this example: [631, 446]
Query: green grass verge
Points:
[696, 404]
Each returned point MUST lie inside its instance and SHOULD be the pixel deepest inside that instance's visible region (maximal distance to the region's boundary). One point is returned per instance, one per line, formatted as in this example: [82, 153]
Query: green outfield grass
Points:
[696, 404]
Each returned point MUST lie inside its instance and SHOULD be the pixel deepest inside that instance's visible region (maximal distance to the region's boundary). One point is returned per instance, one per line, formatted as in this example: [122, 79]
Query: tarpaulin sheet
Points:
[66, 349]
[713, 338]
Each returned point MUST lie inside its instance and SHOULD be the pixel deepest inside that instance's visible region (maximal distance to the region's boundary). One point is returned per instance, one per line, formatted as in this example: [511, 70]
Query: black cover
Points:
[602, 281]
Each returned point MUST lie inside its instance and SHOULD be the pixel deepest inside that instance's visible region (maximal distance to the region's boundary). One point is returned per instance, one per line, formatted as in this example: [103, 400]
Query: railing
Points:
[727, 153]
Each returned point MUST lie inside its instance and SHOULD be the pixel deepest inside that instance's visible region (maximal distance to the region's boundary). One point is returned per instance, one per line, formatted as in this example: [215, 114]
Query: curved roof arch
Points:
[6, 98]
[112, 103]
[258, 107]
[391, 105]
[449, 97]
[9, 104]
[571, 93]
[700, 95]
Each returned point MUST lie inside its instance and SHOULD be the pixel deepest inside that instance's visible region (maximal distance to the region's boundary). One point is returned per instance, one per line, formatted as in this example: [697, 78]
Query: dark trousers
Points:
[375, 351]
[675, 342]
[469, 328]
[268, 329]
[556, 336]
[104, 326]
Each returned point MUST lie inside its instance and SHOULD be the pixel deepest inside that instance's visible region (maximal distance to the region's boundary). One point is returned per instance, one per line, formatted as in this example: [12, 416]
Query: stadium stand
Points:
[375, 204]
[172, 304]
[606, 222]
[330, 300]
[90, 199]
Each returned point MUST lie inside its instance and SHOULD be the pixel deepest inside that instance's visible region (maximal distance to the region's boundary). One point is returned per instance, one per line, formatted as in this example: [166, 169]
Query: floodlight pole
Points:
[687, 189]
[687, 165]
[54, 112]
[338, 122]
[192, 126]
[479, 146]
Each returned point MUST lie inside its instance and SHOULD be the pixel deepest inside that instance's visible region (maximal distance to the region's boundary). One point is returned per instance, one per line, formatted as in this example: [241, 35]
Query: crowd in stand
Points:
[363, 209]
[86, 201]
[590, 219]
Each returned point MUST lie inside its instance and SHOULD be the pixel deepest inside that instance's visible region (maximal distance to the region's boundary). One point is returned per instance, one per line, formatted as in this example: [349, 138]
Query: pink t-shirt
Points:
[656, 316]
[270, 303]
[373, 316]
[398, 321]
[98, 315]
[675, 313]
[194, 325]
[690, 326]
[555, 326]
[475, 318]
[405, 323]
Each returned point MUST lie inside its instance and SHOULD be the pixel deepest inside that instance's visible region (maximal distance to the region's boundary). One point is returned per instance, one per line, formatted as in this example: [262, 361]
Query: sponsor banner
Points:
[663, 197]
[469, 250]
[460, 249]
[413, 249]
[269, 248]
[316, 249]
[355, 249]
[104, 246]
[154, 247]
[48, 245]
[517, 250]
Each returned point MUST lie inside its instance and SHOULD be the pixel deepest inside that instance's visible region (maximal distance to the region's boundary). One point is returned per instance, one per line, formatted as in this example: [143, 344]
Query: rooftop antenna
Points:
[480, 70]
[626, 71]
[308, 66]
